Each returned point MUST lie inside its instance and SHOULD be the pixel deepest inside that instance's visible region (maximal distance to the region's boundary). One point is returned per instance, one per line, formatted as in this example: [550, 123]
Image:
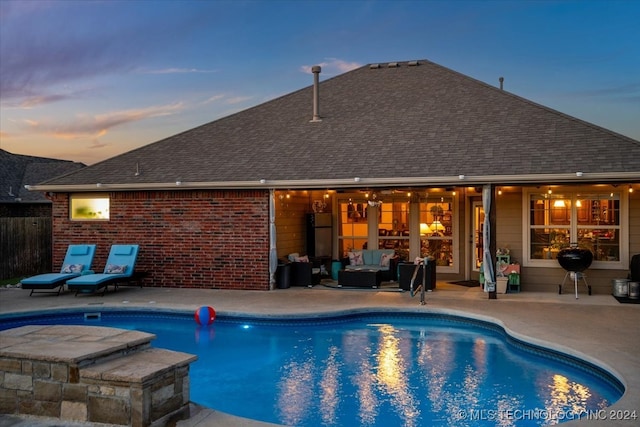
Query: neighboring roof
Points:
[18, 170]
[407, 124]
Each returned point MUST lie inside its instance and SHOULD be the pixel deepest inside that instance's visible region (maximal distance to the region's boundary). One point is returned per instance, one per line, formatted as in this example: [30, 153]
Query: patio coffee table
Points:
[359, 278]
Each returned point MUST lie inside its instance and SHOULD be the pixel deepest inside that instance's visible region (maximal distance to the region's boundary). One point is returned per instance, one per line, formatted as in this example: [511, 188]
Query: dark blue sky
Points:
[86, 80]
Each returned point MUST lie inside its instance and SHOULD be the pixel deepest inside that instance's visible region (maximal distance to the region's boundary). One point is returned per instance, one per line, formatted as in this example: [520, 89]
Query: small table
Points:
[359, 278]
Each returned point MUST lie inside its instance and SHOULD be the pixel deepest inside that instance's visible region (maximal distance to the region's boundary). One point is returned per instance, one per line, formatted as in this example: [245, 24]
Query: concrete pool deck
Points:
[594, 327]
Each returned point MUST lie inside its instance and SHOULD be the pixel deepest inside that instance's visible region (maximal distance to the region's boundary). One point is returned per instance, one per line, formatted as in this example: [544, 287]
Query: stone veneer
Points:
[94, 374]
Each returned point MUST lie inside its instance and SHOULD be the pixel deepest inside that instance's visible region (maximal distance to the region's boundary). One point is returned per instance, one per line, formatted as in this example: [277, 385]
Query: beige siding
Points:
[290, 222]
[509, 223]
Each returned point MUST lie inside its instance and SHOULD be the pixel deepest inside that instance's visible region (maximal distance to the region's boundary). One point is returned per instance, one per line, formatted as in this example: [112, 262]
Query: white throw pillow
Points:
[355, 258]
[385, 259]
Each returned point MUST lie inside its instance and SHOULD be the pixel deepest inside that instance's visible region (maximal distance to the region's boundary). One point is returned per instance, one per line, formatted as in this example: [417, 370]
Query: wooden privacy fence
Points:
[25, 246]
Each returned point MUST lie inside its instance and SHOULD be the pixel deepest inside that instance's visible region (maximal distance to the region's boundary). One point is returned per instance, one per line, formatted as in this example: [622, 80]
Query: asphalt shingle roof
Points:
[408, 121]
[17, 170]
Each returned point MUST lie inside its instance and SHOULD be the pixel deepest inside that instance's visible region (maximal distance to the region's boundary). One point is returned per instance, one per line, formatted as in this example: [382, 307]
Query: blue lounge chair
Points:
[120, 268]
[76, 262]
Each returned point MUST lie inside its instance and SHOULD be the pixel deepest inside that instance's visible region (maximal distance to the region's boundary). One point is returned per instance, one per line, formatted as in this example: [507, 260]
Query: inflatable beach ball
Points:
[205, 315]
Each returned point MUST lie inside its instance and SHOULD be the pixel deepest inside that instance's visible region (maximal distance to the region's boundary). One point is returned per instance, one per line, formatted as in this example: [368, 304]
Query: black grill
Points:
[575, 259]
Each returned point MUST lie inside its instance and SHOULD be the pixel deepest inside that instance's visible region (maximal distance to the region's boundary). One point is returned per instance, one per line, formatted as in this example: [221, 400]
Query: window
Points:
[598, 218]
[393, 226]
[590, 220]
[89, 207]
[353, 225]
[436, 229]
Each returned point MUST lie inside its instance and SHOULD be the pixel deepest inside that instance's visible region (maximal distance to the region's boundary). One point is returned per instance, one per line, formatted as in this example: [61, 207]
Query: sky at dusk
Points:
[88, 80]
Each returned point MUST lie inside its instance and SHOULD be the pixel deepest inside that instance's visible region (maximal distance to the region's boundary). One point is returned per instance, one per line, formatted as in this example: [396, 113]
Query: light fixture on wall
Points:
[579, 203]
[374, 200]
[559, 204]
[630, 189]
[499, 191]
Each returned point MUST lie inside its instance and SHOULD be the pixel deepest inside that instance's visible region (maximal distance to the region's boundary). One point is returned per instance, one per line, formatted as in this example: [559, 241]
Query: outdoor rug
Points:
[627, 300]
[467, 283]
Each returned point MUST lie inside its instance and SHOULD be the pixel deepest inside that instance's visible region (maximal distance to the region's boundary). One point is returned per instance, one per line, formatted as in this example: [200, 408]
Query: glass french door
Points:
[477, 244]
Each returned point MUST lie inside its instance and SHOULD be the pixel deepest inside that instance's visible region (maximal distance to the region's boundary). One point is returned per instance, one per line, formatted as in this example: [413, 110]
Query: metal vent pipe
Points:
[316, 93]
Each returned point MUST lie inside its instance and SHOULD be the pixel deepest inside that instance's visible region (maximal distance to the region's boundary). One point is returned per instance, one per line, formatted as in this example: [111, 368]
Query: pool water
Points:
[382, 369]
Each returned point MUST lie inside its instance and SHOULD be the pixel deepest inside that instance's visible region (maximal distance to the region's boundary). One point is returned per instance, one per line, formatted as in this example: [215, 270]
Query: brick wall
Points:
[196, 239]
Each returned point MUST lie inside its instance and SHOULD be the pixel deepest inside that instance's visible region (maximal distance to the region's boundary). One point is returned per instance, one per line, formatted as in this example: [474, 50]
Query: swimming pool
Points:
[367, 369]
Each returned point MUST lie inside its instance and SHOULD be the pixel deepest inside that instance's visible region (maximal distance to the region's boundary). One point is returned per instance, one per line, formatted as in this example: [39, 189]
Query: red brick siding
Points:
[195, 239]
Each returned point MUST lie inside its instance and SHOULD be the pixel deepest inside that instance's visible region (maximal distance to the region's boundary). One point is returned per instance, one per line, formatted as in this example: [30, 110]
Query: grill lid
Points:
[575, 259]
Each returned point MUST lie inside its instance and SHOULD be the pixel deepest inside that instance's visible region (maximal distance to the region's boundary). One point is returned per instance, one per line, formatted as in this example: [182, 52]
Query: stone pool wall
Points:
[94, 374]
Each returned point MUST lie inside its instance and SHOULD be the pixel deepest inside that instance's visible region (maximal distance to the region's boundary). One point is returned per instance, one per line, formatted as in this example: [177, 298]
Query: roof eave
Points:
[355, 182]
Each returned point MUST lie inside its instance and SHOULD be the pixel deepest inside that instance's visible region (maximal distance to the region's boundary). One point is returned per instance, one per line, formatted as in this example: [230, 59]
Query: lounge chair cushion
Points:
[120, 266]
[76, 262]
[47, 280]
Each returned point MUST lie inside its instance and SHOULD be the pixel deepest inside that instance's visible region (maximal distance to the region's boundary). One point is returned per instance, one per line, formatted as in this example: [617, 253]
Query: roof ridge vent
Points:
[392, 65]
[374, 66]
[413, 63]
